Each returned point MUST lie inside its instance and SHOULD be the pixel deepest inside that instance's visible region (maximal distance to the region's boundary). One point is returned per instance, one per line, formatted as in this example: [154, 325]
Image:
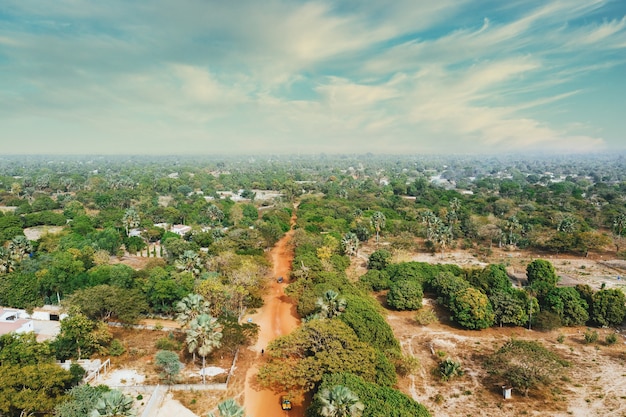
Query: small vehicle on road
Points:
[280, 280]
[285, 403]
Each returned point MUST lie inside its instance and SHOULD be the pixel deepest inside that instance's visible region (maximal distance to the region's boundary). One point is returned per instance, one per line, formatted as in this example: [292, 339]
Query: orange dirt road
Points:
[277, 317]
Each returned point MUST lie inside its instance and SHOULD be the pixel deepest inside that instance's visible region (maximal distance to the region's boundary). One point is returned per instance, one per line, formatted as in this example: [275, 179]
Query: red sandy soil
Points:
[276, 318]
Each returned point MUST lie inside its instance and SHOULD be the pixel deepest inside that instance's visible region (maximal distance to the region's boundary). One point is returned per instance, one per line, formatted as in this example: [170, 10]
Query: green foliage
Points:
[590, 336]
[23, 349]
[446, 285]
[490, 279]
[377, 401]
[610, 339]
[541, 276]
[363, 316]
[379, 259]
[168, 363]
[546, 321]
[105, 302]
[405, 295]
[609, 307]
[301, 359]
[525, 364]
[375, 280]
[26, 389]
[568, 305]
[80, 401]
[168, 343]
[116, 348]
[472, 309]
[339, 401]
[448, 369]
[229, 408]
[80, 337]
[114, 403]
[425, 316]
[510, 307]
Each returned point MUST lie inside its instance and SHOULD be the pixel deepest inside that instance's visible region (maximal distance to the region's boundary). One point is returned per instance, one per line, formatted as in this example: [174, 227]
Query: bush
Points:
[472, 309]
[591, 336]
[546, 321]
[167, 343]
[611, 339]
[379, 259]
[448, 369]
[375, 280]
[116, 348]
[425, 316]
[405, 295]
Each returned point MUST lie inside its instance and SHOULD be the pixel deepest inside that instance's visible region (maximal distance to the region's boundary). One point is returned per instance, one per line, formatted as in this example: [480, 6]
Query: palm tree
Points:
[619, 224]
[189, 261]
[130, 219]
[191, 307]
[114, 404]
[7, 263]
[350, 243]
[215, 214]
[19, 247]
[330, 305]
[339, 401]
[229, 408]
[204, 335]
[378, 222]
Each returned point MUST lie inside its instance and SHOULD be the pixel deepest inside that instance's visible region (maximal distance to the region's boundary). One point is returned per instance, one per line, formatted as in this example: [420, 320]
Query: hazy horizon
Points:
[198, 77]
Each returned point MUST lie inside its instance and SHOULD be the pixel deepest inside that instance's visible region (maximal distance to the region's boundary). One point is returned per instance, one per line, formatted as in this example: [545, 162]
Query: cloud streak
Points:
[310, 76]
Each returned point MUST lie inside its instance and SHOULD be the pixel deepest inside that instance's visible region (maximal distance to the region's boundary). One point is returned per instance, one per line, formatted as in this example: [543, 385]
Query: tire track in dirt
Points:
[276, 318]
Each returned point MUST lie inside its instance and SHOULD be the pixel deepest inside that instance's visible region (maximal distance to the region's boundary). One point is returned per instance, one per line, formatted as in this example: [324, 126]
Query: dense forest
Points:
[201, 228]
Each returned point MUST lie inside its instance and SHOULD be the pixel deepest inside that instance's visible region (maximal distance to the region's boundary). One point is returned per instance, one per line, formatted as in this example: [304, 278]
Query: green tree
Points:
[80, 337]
[189, 261]
[378, 221]
[541, 277]
[609, 307]
[339, 401]
[405, 295]
[568, 305]
[379, 259]
[169, 364]
[19, 247]
[190, 307]
[130, 219]
[26, 389]
[330, 304]
[510, 307]
[299, 360]
[203, 336]
[472, 309]
[350, 244]
[104, 302]
[525, 364]
[378, 401]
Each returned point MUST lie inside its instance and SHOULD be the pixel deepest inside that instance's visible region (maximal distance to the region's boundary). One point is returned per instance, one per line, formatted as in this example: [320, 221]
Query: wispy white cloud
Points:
[289, 75]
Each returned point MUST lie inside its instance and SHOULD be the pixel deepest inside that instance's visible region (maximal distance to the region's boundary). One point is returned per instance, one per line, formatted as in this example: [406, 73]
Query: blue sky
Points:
[279, 76]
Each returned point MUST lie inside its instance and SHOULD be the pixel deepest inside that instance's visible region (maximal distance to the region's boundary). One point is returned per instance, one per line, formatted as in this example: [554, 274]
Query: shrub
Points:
[611, 339]
[116, 348]
[448, 369]
[167, 343]
[425, 316]
[405, 295]
[591, 336]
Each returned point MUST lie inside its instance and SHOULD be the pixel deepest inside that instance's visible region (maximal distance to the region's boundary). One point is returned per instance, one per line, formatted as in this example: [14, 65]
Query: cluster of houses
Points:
[43, 321]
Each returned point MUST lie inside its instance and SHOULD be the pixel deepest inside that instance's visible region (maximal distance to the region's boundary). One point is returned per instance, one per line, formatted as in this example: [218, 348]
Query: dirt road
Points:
[277, 317]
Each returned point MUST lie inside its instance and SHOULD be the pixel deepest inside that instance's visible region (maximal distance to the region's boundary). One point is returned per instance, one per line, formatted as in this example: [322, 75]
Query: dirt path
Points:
[277, 317]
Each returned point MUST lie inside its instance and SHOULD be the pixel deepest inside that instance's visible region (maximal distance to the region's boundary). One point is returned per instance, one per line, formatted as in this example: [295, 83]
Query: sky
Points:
[306, 77]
